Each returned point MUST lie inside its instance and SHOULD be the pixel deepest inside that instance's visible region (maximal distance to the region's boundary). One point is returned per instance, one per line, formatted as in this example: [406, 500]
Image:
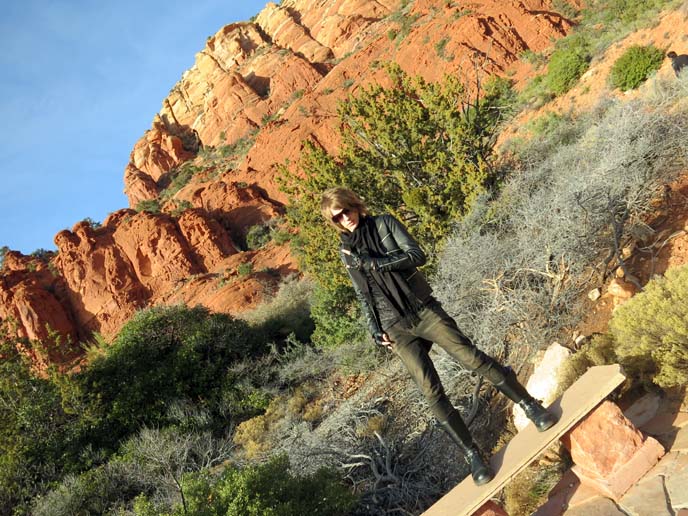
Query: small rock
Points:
[621, 291]
[543, 383]
[627, 251]
[594, 294]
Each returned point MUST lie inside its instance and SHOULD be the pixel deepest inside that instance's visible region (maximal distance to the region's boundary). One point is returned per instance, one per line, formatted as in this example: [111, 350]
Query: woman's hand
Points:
[382, 339]
[361, 262]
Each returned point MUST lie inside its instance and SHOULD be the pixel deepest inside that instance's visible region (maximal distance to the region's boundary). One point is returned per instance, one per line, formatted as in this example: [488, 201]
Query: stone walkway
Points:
[662, 491]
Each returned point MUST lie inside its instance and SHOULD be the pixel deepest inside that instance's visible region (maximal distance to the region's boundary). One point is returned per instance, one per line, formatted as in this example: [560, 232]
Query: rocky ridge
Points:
[265, 86]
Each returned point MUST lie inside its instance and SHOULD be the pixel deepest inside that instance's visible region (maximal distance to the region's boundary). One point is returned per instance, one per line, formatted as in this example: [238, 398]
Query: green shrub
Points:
[598, 351]
[281, 237]
[547, 123]
[42, 254]
[635, 66]
[440, 47]
[244, 269]
[651, 330]
[536, 93]
[180, 207]
[94, 224]
[537, 59]
[624, 13]
[257, 236]
[149, 205]
[405, 22]
[3, 251]
[287, 313]
[162, 354]
[568, 62]
[175, 179]
[337, 317]
[266, 490]
[565, 8]
[37, 437]
[101, 490]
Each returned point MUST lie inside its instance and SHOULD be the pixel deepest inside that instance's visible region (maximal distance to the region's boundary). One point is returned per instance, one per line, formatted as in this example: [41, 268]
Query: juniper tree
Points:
[416, 149]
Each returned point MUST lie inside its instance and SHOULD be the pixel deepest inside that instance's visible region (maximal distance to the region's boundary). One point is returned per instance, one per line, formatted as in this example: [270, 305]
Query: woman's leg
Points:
[438, 326]
[413, 352]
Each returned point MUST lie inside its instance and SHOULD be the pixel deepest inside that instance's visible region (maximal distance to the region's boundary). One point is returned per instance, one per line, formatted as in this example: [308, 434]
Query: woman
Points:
[382, 259]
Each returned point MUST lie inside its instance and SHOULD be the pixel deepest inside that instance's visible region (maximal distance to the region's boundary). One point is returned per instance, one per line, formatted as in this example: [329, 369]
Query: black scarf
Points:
[366, 240]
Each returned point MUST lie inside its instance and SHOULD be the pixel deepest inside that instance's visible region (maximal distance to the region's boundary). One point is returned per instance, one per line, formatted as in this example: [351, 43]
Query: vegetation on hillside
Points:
[647, 335]
[635, 66]
[599, 24]
[421, 151]
[190, 412]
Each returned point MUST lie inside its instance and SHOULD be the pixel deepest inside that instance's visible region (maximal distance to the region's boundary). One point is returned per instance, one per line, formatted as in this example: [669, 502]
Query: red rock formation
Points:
[237, 205]
[209, 242]
[102, 285]
[270, 84]
[609, 453]
[33, 306]
[27, 298]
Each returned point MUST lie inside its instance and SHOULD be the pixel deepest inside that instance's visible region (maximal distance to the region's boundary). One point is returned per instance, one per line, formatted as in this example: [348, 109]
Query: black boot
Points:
[513, 390]
[457, 430]
[542, 419]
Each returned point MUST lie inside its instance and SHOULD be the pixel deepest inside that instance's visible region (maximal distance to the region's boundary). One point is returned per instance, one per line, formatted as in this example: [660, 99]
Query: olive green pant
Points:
[413, 344]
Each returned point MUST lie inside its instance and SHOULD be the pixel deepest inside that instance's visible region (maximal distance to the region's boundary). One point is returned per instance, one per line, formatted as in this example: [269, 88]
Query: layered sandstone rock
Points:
[609, 452]
[298, 58]
[30, 300]
[103, 289]
[134, 258]
[255, 93]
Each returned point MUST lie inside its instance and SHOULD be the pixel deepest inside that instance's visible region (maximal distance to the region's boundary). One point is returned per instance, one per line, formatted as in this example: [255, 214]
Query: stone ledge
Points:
[624, 477]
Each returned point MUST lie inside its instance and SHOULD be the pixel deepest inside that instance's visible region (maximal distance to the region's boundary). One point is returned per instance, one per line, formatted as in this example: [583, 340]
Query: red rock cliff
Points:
[255, 92]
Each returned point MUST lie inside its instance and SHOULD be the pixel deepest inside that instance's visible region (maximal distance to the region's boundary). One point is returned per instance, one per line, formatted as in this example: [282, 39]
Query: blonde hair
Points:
[340, 198]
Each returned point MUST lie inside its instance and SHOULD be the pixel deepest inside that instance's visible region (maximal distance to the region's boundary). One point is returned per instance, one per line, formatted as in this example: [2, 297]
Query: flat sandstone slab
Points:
[580, 399]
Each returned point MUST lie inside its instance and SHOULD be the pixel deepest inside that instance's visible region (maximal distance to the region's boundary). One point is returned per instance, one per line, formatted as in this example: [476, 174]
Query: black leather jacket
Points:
[403, 254]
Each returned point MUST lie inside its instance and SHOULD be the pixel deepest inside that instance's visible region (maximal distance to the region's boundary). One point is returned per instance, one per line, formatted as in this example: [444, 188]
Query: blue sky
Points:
[81, 82]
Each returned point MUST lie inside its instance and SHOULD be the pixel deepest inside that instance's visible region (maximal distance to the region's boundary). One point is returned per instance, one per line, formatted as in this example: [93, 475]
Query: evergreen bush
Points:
[3, 251]
[569, 61]
[162, 354]
[258, 236]
[37, 437]
[420, 151]
[337, 316]
[635, 66]
[266, 490]
[651, 330]
[149, 205]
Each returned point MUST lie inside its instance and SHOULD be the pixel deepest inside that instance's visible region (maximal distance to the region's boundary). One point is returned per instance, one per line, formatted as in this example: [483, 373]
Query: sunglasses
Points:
[338, 217]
